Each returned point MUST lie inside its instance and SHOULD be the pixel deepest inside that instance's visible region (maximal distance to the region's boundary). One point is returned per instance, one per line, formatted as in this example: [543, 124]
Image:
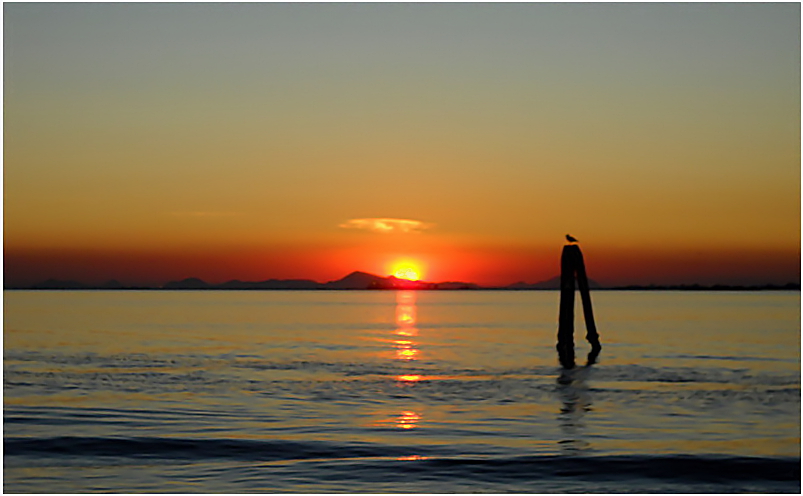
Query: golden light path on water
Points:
[406, 350]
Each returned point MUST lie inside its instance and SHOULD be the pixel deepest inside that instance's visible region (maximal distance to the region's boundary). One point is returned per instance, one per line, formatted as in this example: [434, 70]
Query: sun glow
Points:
[406, 269]
[407, 273]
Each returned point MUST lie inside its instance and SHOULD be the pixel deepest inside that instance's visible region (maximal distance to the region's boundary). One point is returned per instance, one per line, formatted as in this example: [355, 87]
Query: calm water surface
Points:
[330, 391]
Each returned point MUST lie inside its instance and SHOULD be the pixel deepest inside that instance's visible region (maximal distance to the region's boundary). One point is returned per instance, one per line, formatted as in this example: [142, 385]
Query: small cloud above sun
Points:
[388, 226]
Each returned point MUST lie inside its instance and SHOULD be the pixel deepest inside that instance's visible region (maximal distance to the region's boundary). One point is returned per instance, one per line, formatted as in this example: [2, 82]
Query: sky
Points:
[149, 142]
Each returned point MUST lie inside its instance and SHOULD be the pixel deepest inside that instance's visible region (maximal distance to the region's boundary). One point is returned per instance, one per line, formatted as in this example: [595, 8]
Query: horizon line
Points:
[376, 280]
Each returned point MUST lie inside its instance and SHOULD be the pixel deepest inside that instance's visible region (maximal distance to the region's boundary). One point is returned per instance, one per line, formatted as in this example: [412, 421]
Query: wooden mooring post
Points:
[571, 266]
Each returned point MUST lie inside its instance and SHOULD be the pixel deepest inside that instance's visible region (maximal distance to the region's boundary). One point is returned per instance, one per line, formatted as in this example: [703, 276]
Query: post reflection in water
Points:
[576, 401]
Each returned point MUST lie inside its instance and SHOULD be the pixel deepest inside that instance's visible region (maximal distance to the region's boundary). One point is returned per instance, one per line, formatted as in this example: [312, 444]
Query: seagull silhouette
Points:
[570, 239]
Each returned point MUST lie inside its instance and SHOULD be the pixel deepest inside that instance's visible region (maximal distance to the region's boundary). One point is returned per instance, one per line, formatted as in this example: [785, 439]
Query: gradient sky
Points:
[151, 142]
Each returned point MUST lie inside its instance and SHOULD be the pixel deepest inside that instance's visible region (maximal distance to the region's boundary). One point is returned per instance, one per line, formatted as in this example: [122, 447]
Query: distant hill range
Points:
[553, 283]
[355, 280]
[362, 281]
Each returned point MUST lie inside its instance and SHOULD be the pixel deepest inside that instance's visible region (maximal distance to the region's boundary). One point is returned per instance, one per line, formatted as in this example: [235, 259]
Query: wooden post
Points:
[566, 317]
[571, 264]
[588, 312]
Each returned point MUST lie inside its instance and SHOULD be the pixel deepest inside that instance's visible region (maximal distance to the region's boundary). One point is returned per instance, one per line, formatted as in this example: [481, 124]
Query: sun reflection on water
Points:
[405, 314]
[407, 420]
[411, 378]
[406, 349]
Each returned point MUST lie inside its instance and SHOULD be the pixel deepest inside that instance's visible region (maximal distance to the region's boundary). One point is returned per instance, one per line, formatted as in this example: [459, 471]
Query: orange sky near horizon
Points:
[154, 142]
[501, 266]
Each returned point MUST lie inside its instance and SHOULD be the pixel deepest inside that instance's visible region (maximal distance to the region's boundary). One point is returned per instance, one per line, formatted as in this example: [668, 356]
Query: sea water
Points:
[385, 391]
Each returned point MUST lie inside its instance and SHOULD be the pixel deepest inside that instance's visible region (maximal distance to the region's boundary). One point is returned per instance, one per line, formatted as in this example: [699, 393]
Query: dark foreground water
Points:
[382, 392]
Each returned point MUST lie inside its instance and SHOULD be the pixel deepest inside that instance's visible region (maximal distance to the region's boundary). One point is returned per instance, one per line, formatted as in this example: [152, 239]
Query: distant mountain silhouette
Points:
[272, 284]
[457, 285]
[553, 283]
[394, 282]
[355, 280]
[358, 280]
[364, 280]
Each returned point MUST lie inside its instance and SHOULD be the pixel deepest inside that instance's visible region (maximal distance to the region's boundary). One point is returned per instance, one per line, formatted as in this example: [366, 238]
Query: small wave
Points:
[428, 461]
[194, 449]
[642, 373]
[727, 358]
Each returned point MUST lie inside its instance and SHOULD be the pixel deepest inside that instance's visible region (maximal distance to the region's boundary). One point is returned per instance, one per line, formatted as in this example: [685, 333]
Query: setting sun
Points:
[406, 270]
[407, 273]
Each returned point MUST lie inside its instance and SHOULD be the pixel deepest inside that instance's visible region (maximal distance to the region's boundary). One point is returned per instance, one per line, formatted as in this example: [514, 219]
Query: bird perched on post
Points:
[570, 239]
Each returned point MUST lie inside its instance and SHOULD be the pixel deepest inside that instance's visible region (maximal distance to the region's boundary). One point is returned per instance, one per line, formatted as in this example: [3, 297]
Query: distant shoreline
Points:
[691, 288]
[363, 281]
